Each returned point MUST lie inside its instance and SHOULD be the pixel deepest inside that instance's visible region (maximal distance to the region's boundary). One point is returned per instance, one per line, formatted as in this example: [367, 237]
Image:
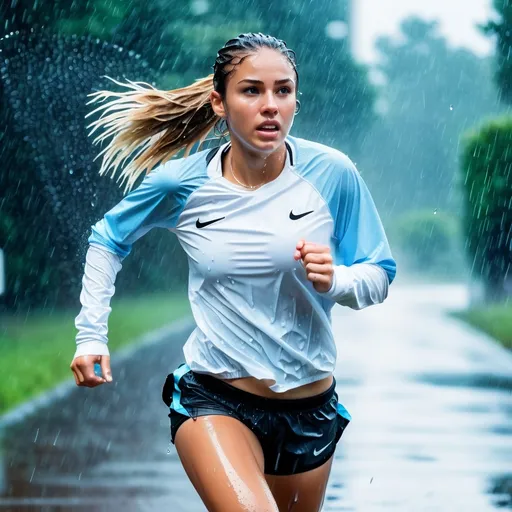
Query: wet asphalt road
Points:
[430, 398]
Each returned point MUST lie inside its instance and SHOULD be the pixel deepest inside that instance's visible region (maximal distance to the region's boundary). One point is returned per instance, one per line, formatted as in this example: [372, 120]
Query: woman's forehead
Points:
[265, 62]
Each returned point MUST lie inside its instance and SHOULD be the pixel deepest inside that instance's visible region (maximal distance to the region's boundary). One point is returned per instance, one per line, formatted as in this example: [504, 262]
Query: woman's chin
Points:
[268, 145]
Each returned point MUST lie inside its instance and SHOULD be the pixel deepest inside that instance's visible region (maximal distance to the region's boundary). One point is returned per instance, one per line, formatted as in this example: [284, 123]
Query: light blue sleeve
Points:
[363, 264]
[358, 231]
[156, 202]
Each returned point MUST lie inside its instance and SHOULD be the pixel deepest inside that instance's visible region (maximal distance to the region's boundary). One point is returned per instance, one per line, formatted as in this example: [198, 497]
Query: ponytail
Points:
[151, 125]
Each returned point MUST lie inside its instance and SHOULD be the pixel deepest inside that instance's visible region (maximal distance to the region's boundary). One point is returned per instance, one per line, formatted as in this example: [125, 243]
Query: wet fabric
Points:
[296, 435]
[256, 313]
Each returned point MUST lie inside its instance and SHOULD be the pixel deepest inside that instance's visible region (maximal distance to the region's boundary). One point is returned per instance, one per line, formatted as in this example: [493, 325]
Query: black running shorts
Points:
[296, 435]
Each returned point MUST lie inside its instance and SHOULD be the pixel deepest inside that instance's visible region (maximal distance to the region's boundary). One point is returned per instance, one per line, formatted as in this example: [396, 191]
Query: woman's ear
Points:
[217, 104]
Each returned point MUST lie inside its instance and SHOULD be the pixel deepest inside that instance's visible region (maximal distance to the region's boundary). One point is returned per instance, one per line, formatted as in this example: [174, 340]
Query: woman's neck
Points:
[253, 169]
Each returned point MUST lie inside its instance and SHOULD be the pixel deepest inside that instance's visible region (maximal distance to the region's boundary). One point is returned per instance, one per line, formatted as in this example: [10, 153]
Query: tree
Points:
[431, 94]
[502, 29]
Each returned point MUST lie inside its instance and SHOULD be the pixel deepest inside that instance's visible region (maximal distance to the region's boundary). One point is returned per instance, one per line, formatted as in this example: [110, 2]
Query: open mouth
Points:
[269, 126]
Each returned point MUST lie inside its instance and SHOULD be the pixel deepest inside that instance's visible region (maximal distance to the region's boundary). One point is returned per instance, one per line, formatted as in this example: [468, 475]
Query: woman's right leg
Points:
[224, 462]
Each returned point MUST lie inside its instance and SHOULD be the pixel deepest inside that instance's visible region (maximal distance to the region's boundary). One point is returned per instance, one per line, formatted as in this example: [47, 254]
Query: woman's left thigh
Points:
[303, 492]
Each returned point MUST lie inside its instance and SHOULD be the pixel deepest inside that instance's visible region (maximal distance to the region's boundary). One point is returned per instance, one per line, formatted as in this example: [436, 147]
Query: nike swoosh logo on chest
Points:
[300, 215]
[200, 225]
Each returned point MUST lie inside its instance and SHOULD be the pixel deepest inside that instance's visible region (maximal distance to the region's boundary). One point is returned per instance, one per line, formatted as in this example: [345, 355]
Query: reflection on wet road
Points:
[430, 399]
[432, 410]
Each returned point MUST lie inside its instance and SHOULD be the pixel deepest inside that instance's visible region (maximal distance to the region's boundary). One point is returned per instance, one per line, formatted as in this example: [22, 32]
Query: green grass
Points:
[37, 349]
[493, 320]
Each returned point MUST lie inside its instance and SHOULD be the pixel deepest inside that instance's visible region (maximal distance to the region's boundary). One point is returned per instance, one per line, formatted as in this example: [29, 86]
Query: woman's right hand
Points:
[83, 370]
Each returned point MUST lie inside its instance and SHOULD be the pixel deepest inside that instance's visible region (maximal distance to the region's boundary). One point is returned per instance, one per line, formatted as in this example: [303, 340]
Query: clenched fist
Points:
[317, 261]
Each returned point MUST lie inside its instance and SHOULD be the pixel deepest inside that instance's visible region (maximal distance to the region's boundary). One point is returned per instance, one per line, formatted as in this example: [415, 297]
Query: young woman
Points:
[277, 230]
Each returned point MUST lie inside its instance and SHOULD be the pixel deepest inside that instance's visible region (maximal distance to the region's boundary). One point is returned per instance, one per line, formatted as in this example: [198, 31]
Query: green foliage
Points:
[486, 170]
[36, 354]
[428, 98]
[501, 29]
[428, 241]
[496, 321]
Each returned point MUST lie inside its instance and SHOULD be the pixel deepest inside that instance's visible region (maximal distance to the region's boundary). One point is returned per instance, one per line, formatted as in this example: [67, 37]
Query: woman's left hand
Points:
[317, 261]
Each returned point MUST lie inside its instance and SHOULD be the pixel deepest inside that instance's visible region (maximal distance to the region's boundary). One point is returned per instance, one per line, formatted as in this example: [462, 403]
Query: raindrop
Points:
[435, 211]
[209, 269]
[71, 171]
[451, 107]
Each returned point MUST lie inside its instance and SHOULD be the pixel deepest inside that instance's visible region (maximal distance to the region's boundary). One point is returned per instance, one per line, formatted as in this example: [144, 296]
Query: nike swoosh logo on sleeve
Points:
[200, 224]
[297, 217]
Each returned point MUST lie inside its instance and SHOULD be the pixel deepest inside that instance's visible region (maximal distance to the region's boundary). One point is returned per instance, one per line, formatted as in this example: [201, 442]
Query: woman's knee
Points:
[224, 462]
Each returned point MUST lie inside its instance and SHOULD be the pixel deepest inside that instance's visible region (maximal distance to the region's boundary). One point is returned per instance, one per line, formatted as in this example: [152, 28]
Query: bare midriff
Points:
[262, 388]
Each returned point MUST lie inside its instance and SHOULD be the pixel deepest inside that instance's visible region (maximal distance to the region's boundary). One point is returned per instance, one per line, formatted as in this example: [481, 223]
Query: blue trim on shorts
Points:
[343, 412]
[176, 394]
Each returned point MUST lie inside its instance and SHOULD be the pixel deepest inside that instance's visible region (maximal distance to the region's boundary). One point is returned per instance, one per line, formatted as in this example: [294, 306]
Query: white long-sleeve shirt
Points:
[256, 313]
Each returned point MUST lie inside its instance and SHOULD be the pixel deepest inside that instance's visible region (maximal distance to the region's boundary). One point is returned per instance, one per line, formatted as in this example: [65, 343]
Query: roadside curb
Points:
[25, 409]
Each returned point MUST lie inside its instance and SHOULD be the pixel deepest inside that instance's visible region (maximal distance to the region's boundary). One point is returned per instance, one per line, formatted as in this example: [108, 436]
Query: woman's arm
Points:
[152, 204]
[363, 267]
[358, 286]
[101, 268]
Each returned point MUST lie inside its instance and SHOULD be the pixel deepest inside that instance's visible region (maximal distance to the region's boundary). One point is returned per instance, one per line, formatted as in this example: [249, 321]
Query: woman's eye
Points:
[286, 90]
[251, 90]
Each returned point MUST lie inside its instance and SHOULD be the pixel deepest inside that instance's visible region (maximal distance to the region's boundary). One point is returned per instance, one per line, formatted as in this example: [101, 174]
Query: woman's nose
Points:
[270, 104]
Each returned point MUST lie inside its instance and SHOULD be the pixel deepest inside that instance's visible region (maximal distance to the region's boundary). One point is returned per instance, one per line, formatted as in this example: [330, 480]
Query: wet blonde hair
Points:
[152, 126]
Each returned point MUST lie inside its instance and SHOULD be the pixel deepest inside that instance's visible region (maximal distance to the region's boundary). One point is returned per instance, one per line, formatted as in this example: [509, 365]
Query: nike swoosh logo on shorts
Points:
[297, 217]
[200, 224]
[318, 452]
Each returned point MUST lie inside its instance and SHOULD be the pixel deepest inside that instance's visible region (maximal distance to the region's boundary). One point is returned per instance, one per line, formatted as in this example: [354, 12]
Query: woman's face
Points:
[260, 101]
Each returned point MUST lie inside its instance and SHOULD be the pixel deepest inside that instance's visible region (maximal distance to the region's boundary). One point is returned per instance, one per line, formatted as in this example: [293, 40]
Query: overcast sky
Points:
[372, 18]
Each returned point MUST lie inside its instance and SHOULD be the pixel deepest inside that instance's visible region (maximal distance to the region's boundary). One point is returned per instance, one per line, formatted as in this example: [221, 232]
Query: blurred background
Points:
[417, 94]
